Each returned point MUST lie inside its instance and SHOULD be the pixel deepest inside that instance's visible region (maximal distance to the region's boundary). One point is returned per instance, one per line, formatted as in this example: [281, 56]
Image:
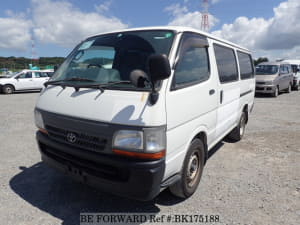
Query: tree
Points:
[260, 60]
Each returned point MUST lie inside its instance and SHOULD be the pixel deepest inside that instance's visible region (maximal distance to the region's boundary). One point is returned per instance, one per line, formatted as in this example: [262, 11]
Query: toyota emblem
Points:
[71, 137]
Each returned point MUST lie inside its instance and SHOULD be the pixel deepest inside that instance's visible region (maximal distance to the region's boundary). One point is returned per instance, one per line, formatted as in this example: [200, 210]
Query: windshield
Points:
[111, 58]
[266, 69]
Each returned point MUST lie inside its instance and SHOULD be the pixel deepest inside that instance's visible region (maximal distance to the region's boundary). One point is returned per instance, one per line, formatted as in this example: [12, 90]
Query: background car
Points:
[25, 80]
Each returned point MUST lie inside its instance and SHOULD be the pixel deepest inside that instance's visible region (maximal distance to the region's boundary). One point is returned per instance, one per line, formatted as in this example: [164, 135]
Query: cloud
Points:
[15, 32]
[181, 16]
[104, 7]
[274, 37]
[59, 22]
[214, 1]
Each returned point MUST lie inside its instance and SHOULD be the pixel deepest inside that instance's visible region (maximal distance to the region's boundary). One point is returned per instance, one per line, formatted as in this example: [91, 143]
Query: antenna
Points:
[205, 16]
[34, 56]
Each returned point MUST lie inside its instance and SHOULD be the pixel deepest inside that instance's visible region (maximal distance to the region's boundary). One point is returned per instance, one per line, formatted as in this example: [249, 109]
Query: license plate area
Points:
[76, 173]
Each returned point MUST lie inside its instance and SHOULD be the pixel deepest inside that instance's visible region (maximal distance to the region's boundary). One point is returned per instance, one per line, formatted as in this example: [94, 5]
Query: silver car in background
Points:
[273, 77]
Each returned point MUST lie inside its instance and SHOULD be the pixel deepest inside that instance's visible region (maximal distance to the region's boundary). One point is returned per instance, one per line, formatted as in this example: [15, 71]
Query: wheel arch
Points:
[3, 85]
[246, 110]
[202, 135]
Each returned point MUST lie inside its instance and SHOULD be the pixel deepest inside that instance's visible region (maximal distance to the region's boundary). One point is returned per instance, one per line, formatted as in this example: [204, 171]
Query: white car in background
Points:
[25, 80]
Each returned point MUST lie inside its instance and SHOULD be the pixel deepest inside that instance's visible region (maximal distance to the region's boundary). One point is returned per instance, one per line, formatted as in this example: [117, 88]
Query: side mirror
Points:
[159, 68]
[298, 70]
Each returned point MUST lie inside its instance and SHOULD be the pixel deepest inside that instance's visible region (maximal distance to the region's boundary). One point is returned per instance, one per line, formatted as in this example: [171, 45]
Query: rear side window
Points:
[246, 66]
[40, 74]
[226, 64]
[193, 63]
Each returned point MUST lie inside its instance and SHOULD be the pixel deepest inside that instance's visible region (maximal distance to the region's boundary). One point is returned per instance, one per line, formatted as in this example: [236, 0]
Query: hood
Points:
[265, 77]
[4, 80]
[113, 106]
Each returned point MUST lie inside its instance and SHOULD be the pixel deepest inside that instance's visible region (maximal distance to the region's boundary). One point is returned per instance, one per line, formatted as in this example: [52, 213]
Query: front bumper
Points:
[132, 178]
[268, 89]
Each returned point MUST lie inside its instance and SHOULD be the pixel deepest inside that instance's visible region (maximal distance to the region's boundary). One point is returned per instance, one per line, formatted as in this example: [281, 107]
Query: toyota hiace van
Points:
[136, 111]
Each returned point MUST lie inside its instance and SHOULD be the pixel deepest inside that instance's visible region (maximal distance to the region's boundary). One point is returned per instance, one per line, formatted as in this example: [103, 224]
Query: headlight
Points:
[128, 139]
[155, 139]
[38, 119]
[150, 143]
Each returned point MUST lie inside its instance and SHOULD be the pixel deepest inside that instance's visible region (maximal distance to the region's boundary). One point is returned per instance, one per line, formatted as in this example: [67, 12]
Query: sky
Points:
[269, 28]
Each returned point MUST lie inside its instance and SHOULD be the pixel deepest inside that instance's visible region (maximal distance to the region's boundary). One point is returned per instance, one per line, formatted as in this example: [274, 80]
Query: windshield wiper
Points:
[102, 86]
[80, 79]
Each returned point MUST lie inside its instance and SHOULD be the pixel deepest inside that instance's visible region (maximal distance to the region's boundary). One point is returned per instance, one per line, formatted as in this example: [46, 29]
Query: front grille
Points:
[259, 82]
[81, 140]
[259, 88]
[93, 168]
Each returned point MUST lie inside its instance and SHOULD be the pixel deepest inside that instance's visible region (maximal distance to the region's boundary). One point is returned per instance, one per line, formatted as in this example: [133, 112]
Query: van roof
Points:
[273, 63]
[292, 61]
[179, 29]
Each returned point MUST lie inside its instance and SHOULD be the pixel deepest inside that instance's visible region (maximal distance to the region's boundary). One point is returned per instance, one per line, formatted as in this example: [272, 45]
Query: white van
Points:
[296, 72]
[136, 111]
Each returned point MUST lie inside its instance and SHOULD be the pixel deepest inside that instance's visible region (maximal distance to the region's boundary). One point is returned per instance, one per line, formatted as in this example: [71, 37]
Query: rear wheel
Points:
[297, 87]
[191, 172]
[8, 89]
[238, 132]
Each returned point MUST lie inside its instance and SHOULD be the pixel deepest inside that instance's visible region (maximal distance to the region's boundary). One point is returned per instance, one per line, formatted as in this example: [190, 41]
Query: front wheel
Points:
[8, 89]
[276, 92]
[289, 89]
[191, 172]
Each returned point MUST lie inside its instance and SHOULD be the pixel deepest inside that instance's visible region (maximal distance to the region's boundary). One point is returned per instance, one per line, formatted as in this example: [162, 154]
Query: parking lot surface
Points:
[254, 181]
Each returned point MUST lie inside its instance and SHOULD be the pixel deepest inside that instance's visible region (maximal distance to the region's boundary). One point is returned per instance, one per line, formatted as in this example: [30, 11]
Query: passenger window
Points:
[226, 64]
[246, 66]
[25, 75]
[193, 62]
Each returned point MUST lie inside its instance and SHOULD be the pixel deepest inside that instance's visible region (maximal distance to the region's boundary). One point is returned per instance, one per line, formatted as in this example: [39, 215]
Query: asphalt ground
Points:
[254, 181]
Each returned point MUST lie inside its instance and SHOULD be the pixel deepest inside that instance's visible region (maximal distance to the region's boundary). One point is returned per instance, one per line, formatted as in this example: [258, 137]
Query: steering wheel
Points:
[94, 64]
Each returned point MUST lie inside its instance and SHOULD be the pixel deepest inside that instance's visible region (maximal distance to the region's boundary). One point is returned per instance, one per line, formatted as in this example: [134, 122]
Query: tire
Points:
[297, 87]
[8, 89]
[276, 93]
[191, 171]
[289, 89]
[238, 132]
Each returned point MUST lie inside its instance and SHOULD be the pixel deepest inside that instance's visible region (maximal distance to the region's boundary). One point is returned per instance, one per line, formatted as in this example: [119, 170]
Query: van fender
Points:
[194, 134]
[176, 168]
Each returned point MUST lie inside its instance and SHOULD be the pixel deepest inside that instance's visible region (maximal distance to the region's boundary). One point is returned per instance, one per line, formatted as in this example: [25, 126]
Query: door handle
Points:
[212, 91]
[221, 96]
